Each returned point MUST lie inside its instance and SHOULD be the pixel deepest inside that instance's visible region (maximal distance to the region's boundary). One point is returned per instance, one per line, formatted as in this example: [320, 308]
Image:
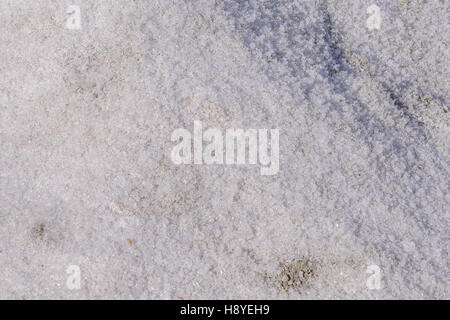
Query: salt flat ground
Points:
[88, 190]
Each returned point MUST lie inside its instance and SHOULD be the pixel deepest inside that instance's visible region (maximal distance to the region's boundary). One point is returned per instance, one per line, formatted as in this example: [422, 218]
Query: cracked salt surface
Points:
[86, 177]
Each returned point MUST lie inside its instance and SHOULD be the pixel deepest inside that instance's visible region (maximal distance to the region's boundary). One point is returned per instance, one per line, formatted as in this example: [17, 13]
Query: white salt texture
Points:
[92, 207]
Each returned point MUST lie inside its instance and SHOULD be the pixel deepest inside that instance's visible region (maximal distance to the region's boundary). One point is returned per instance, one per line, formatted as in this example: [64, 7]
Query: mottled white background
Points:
[86, 177]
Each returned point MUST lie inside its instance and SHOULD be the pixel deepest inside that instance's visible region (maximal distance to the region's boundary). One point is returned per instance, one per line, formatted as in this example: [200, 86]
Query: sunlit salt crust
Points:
[86, 179]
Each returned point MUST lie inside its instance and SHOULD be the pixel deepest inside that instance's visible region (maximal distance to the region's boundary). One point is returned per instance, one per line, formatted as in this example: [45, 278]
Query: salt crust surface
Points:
[86, 177]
